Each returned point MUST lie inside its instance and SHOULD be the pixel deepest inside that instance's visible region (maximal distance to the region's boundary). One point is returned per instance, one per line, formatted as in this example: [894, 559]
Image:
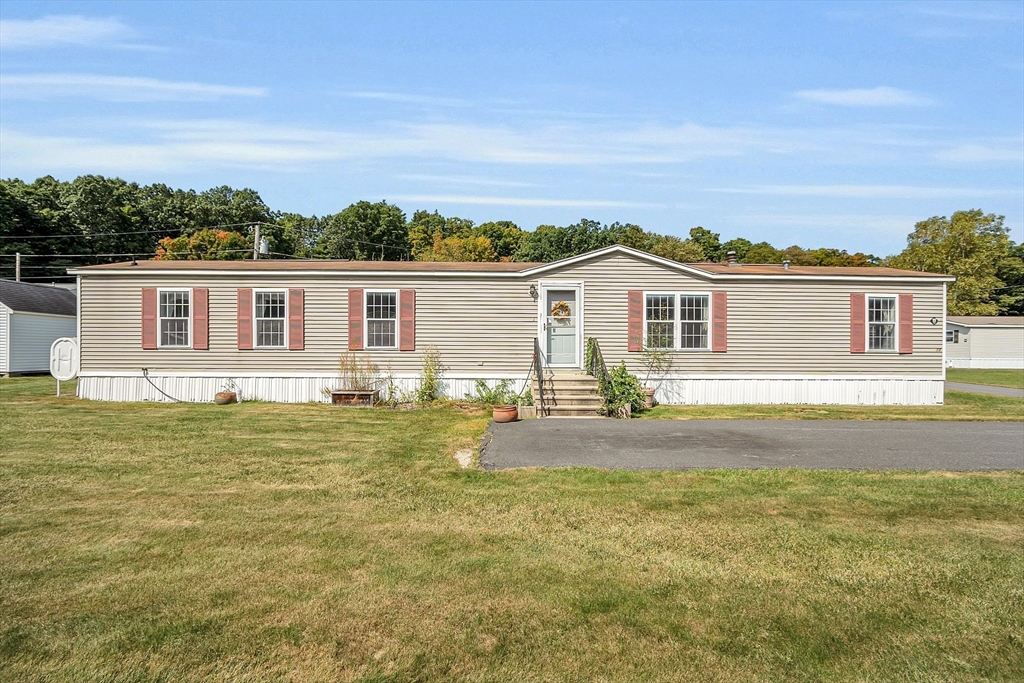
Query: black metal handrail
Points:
[596, 366]
[538, 370]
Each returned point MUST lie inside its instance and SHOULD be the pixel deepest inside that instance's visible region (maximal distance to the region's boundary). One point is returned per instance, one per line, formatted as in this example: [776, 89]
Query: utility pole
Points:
[17, 266]
[256, 243]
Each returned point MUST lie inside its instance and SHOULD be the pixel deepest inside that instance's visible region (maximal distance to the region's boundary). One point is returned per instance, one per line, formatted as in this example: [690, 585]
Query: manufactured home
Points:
[975, 341]
[32, 316]
[734, 333]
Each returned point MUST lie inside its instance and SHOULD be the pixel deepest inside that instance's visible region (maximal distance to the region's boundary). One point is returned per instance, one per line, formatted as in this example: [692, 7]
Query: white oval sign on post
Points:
[64, 358]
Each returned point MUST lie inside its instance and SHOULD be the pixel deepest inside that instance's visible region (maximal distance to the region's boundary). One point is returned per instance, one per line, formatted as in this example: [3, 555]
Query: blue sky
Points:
[818, 124]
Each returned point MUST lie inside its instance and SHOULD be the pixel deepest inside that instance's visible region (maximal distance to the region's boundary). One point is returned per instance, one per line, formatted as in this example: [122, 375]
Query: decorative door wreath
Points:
[561, 311]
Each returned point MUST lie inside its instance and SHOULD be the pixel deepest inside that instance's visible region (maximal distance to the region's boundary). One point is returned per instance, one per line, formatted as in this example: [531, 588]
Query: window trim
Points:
[676, 322]
[159, 318]
[397, 319]
[953, 336]
[255, 319]
[868, 296]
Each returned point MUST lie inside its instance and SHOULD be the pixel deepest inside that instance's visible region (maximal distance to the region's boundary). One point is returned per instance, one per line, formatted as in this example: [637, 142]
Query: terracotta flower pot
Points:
[505, 413]
[222, 398]
[648, 398]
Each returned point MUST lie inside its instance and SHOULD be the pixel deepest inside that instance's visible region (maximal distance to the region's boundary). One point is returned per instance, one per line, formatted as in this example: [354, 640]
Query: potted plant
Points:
[228, 394]
[655, 360]
[501, 398]
[358, 380]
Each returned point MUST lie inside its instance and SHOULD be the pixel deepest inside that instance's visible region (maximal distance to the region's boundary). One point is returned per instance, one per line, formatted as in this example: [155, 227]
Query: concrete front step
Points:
[557, 411]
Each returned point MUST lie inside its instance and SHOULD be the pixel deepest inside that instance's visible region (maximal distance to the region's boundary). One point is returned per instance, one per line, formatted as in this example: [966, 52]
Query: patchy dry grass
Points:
[997, 378]
[959, 405]
[261, 542]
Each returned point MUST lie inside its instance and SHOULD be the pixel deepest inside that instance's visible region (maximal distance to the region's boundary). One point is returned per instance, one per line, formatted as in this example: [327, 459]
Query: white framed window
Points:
[270, 313]
[882, 323]
[677, 320]
[174, 318]
[953, 336]
[381, 319]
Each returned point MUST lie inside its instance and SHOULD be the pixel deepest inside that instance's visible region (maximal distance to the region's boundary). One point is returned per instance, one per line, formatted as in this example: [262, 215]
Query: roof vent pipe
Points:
[785, 265]
[730, 256]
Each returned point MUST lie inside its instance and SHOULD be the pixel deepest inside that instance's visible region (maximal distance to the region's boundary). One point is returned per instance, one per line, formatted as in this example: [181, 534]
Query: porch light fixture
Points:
[533, 290]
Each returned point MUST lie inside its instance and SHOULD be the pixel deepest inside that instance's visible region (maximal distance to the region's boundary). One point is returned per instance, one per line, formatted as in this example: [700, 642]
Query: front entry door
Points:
[561, 327]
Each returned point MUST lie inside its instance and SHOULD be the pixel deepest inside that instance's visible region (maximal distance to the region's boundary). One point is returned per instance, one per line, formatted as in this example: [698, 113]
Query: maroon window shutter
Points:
[719, 322]
[906, 323]
[200, 319]
[149, 317]
[407, 319]
[857, 323]
[245, 318]
[635, 329]
[296, 320]
[355, 320]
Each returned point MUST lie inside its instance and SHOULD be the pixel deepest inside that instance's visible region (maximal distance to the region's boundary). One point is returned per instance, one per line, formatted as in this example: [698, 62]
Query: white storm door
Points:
[561, 326]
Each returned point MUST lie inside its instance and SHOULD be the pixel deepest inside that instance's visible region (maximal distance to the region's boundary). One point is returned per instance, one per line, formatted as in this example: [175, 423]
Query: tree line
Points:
[94, 219]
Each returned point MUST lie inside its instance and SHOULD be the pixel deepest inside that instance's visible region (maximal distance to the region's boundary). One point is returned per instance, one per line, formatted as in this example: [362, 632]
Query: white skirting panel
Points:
[991, 363]
[813, 391]
[273, 389]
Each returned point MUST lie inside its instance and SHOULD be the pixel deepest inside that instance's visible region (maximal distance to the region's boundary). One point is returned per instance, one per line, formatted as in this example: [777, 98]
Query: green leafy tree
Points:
[762, 252]
[1010, 272]
[550, 243]
[421, 230]
[205, 245]
[505, 237]
[365, 231]
[709, 242]
[671, 247]
[472, 248]
[970, 245]
[740, 245]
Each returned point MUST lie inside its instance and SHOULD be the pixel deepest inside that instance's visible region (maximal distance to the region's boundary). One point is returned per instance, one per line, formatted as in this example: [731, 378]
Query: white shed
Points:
[974, 341]
[31, 317]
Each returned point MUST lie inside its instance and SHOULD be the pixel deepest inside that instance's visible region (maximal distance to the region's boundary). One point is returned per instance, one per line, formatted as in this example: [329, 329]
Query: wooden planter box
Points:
[527, 412]
[355, 399]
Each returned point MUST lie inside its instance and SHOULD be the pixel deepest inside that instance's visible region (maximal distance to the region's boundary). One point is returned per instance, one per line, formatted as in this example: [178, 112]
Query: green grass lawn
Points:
[999, 378]
[959, 405]
[263, 542]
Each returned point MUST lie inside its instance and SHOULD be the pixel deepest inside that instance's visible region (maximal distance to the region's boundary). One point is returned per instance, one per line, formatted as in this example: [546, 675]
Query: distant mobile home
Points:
[31, 317]
[736, 333]
[985, 341]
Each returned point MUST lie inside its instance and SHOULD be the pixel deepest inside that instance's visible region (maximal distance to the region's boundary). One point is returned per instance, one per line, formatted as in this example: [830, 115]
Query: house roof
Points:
[711, 271]
[341, 265]
[25, 297]
[987, 320]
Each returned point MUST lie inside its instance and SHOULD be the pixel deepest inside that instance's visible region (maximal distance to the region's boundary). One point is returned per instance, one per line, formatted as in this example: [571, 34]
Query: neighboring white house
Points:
[31, 317]
[975, 341]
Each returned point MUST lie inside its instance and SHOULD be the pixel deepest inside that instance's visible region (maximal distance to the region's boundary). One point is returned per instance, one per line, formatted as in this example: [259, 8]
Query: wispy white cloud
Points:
[983, 154]
[463, 180]
[407, 98]
[835, 222]
[115, 88]
[65, 30]
[867, 191]
[522, 201]
[881, 96]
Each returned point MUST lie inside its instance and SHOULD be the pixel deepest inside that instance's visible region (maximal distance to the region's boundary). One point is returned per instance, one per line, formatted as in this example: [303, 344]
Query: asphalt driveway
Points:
[686, 444]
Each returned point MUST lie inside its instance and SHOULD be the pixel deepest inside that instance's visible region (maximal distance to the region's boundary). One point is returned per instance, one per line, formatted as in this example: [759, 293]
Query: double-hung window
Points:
[881, 323]
[270, 318]
[381, 320]
[676, 321]
[174, 317]
[953, 336]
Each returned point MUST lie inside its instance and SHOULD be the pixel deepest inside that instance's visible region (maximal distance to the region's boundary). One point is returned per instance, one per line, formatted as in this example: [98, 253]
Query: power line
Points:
[137, 232]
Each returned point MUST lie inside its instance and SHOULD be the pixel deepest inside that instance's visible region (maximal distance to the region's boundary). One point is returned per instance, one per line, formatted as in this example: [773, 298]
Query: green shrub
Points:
[623, 390]
[430, 377]
[500, 395]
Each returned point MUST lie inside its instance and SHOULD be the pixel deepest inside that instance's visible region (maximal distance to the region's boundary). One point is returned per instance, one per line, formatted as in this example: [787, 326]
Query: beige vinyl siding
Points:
[480, 325]
[774, 327]
[485, 325]
[962, 349]
[997, 342]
